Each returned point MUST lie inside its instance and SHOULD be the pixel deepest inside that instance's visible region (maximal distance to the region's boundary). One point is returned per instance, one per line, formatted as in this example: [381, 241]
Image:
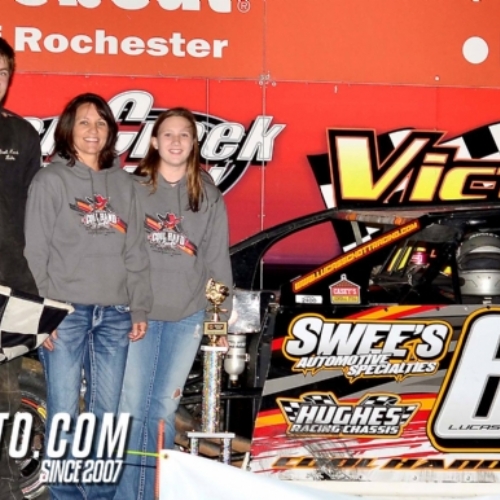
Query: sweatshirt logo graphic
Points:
[164, 233]
[98, 215]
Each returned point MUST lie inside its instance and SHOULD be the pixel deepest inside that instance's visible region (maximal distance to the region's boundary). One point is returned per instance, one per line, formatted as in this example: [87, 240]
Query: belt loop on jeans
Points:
[97, 315]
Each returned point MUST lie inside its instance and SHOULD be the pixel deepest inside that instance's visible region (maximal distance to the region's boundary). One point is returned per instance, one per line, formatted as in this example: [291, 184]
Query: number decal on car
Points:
[466, 416]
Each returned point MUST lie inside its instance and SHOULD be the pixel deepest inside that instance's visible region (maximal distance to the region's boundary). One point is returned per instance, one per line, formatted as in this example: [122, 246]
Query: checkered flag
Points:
[408, 411]
[385, 400]
[380, 400]
[292, 407]
[319, 399]
[26, 321]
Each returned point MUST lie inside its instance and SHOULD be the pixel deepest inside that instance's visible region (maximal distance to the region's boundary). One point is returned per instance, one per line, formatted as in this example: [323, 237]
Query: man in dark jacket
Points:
[19, 161]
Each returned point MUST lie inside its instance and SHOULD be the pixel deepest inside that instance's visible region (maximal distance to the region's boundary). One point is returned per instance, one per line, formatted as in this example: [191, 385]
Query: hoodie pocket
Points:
[175, 290]
[100, 276]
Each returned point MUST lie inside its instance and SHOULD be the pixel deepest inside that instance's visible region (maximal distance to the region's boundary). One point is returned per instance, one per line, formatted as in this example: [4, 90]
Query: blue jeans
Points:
[94, 338]
[157, 369]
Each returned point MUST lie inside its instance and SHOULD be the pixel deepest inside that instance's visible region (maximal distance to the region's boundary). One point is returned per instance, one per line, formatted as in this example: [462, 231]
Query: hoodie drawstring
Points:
[179, 202]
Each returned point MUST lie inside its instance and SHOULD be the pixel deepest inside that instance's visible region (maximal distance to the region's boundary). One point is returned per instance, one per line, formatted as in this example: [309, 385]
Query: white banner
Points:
[187, 477]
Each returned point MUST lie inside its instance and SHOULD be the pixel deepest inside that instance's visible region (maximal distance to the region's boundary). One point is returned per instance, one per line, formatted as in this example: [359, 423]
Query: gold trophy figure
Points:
[216, 293]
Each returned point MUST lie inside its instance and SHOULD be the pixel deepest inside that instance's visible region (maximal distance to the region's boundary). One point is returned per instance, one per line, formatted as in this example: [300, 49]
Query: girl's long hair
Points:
[63, 135]
[150, 164]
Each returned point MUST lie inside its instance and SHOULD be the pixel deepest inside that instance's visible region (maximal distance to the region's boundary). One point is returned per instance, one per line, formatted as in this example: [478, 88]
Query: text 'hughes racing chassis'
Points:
[382, 363]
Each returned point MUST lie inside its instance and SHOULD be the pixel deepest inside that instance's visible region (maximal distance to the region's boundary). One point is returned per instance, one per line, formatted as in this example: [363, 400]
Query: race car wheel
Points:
[33, 396]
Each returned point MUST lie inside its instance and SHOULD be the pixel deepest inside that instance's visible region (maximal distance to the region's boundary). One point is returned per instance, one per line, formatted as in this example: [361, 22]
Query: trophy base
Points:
[213, 348]
[211, 435]
[225, 443]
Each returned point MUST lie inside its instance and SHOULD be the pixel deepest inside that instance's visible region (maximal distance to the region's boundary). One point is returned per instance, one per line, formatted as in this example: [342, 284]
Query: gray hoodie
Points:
[185, 248]
[84, 237]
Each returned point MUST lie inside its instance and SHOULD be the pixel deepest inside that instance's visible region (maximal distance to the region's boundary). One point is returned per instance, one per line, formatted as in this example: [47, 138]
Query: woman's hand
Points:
[49, 344]
[138, 331]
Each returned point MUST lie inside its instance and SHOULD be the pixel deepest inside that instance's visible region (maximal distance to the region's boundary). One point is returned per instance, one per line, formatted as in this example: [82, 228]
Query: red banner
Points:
[264, 169]
[359, 41]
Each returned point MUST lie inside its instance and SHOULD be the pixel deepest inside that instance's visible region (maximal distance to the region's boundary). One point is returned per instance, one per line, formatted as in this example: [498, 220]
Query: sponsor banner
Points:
[182, 475]
[419, 171]
[236, 146]
[393, 393]
[249, 39]
[227, 148]
[137, 37]
[265, 145]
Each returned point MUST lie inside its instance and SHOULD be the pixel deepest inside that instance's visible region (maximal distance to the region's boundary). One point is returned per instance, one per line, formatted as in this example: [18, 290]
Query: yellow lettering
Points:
[455, 182]
[426, 184]
[356, 167]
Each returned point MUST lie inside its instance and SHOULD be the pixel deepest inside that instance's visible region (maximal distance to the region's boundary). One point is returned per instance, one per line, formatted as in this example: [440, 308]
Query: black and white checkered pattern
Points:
[407, 413]
[26, 321]
[386, 400]
[319, 399]
[482, 143]
[380, 400]
[347, 236]
[291, 408]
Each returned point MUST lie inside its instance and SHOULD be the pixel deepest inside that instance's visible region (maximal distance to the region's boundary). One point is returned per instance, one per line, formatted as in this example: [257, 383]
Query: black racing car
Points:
[438, 256]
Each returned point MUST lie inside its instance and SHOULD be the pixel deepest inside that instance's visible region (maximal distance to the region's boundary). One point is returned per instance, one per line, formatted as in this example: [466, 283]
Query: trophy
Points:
[213, 328]
[216, 293]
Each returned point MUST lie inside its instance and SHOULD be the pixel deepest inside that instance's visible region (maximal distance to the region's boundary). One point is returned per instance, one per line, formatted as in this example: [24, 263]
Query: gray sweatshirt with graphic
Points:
[85, 238]
[185, 248]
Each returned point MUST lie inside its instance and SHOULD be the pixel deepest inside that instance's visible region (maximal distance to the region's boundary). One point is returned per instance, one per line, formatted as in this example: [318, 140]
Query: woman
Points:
[85, 245]
[187, 240]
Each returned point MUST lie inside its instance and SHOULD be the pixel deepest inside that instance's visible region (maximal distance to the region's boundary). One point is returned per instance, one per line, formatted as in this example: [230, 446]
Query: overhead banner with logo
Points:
[210, 38]
[385, 41]
[269, 98]
[269, 147]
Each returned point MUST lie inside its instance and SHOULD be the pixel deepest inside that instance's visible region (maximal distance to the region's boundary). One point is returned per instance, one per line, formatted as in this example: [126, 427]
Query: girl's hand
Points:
[138, 331]
[222, 341]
